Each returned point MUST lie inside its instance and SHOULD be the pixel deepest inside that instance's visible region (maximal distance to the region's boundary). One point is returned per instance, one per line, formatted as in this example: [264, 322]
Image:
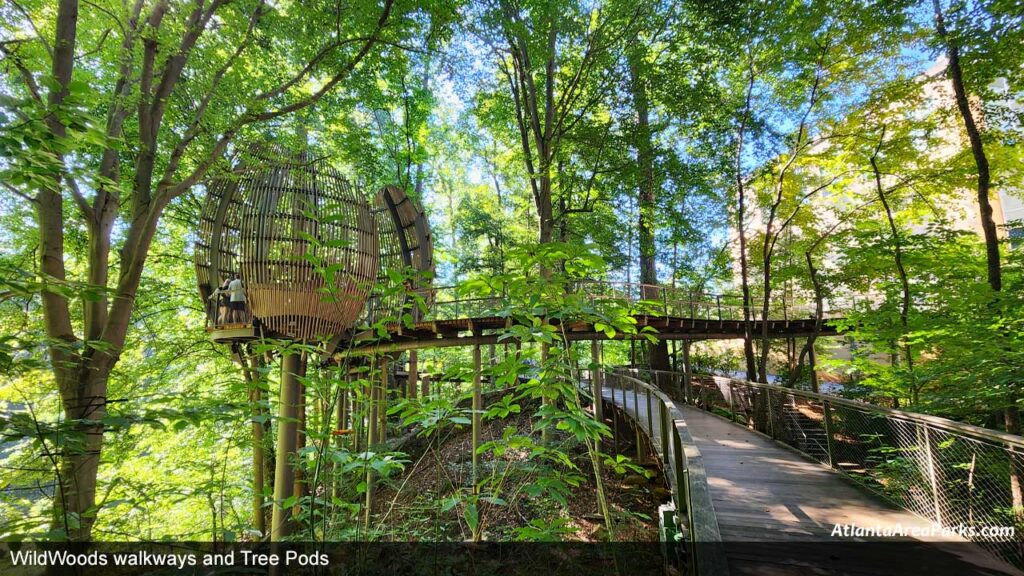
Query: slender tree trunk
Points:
[988, 224]
[748, 325]
[901, 270]
[819, 307]
[657, 352]
[1011, 420]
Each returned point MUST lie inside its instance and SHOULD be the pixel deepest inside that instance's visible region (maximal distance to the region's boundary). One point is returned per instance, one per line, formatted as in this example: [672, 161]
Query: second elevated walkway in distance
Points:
[777, 510]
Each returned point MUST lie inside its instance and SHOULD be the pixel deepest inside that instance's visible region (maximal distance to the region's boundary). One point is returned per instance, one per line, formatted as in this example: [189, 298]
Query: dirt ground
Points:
[412, 506]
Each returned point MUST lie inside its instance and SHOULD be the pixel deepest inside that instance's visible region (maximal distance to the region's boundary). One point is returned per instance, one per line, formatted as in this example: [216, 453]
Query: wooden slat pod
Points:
[302, 238]
[214, 252]
[405, 247]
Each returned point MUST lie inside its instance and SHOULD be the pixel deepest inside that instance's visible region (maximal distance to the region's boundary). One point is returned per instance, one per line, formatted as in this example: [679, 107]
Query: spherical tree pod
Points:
[406, 252]
[301, 237]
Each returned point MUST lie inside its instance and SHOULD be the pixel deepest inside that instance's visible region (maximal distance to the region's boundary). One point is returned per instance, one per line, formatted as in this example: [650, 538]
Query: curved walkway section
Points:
[777, 510]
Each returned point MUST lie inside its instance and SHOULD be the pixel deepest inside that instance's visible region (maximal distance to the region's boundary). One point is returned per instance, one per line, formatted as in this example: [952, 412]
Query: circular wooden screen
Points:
[406, 253]
[302, 238]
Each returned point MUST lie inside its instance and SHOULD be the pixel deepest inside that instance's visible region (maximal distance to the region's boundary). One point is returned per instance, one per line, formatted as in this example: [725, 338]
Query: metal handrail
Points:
[444, 302]
[934, 421]
[949, 472]
[684, 467]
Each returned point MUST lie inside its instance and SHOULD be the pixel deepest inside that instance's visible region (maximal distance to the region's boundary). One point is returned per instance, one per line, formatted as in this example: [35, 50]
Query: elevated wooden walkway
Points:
[776, 509]
[484, 330]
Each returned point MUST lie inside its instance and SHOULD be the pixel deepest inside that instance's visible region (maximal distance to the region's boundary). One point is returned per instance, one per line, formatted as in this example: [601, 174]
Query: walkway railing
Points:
[451, 302]
[656, 414]
[955, 474]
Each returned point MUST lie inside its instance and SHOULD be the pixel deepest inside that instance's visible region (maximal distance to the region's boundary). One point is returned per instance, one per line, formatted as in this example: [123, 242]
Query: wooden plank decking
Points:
[776, 510]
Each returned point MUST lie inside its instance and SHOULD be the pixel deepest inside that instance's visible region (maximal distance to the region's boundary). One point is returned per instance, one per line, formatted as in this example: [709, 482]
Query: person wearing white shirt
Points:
[237, 303]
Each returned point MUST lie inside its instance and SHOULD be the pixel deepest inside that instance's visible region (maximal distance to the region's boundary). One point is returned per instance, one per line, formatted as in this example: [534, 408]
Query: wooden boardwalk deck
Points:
[776, 510]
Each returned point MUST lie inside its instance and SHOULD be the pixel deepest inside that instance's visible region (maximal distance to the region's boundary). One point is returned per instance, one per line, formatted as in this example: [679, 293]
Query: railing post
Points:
[636, 405]
[771, 414]
[682, 493]
[732, 402]
[665, 448]
[679, 471]
[650, 415]
[930, 461]
[828, 433]
[687, 373]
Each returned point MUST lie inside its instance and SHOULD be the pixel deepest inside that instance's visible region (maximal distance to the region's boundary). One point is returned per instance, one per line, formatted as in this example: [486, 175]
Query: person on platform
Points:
[222, 297]
[237, 303]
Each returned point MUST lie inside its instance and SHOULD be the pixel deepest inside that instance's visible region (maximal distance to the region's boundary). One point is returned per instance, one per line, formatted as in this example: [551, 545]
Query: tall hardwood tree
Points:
[120, 130]
[647, 189]
[981, 34]
[552, 56]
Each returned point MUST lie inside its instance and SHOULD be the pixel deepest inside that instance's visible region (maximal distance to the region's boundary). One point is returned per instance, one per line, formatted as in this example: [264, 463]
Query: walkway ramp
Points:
[776, 509]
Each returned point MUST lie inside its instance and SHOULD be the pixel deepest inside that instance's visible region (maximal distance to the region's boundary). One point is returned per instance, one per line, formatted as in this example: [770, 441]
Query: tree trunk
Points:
[82, 372]
[901, 270]
[819, 306]
[748, 325]
[988, 224]
[1011, 420]
[657, 352]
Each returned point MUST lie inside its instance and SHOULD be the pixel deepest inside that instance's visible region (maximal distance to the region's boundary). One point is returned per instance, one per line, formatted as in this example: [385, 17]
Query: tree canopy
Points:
[862, 156]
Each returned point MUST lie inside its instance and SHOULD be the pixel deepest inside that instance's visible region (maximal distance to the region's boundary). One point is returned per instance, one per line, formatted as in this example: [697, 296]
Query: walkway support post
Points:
[412, 380]
[284, 473]
[545, 434]
[477, 408]
[382, 401]
[341, 409]
[259, 476]
[373, 430]
[597, 380]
